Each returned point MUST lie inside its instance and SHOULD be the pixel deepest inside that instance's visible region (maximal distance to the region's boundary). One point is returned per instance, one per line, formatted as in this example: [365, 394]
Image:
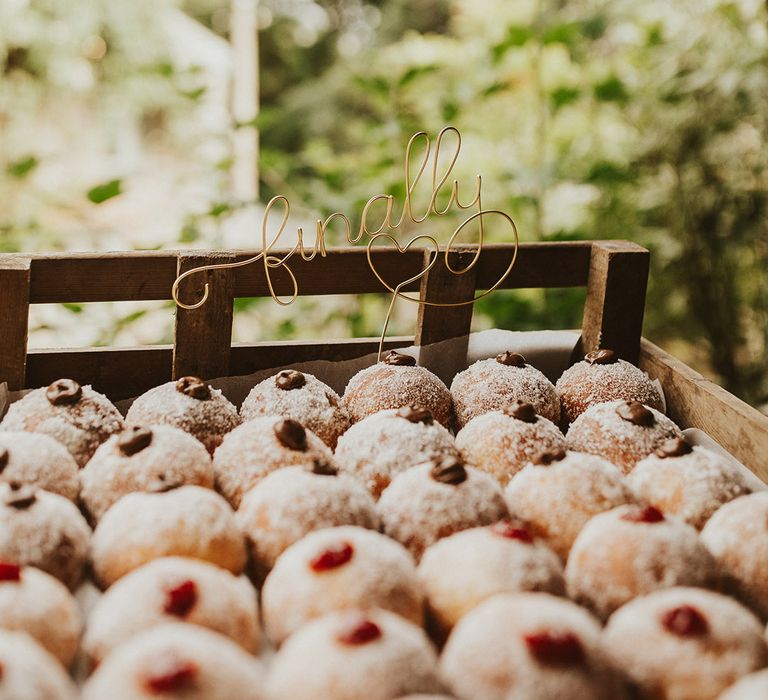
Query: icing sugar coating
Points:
[400, 661]
[220, 601]
[421, 696]
[583, 385]
[615, 559]
[292, 502]
[487, 655]
[314, 404]
[50, 534]
[81, 427]
[488, 385]
[190, 521]
[417, 510]
[379, 573]
[208, 420]
[253, 450]
[30, 672]
[184, 661]
[691, 487]
[558, 499]
[384, 386]
[39, 460]
[172, 457]
[502, 445]
[737, 536]
[700, 664]
[461, 571]
[384, 444]
[601, 431]
[41, 606]
[753, 685]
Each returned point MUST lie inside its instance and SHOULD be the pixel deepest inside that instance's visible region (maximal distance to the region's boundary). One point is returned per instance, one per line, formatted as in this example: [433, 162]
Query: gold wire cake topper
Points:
[272, 258]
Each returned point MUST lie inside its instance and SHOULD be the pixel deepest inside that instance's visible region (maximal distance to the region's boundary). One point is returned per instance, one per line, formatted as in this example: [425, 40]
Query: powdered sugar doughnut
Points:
[560, 492]
[396, 382]
[140, 459]
[461, 571]
[292, 502]
[30, 672]
[189, 404]
[386, 443]
[603, 377]
[621, 432]
[261, 446]
[338, 568]
[175, 660]
[491, 385]
[421, 696]
[173, 589]
[527, 645]
[503, 442]
[190, 521]
[436, 499]
[303, 397]
[38, 460]
[751, 686]
[737, 536]
[688, 482]
[77, 416]
[45, 530]
[353, 654]
[630, 551]
[684, 643]
[34, 602]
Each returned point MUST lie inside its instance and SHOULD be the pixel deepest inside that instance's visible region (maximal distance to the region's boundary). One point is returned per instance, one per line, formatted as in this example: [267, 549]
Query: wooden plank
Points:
[14, 319]
[203, 336]
[613, 312]
[695, 402]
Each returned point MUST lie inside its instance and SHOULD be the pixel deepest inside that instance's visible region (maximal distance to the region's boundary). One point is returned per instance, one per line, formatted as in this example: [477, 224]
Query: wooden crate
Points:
[615, 274]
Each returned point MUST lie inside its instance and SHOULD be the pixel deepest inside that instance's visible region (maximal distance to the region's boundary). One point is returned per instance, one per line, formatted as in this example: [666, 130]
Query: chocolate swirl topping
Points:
[133, 440]
[636, 413]
[511, 359]
[416, 414]
[399, 359]
[546, 457]
[194, 387]
[601, 357]
[448, 470]
[19, 496]
[63, 392]
[290, 379]
[674, 447]
[291, 434]
[522, 411]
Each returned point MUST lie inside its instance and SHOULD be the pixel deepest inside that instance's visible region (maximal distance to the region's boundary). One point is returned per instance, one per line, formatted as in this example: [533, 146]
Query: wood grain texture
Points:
[695, 402]
[14, 319]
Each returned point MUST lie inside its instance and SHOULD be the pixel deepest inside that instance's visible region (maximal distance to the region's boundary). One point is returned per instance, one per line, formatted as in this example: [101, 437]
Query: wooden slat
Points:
[615, 304]
[203, 336]
[695, 402]
[14, 319]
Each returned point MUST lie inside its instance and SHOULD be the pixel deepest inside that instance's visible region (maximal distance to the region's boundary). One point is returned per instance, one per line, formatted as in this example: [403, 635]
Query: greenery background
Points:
[587, 118]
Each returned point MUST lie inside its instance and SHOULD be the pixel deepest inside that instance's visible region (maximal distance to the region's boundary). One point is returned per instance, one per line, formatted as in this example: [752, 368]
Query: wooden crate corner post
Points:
[14, 319]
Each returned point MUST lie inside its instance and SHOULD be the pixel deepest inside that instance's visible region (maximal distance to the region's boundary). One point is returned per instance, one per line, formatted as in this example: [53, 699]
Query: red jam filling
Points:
[555, 648]
[180, 599]
[332, 558]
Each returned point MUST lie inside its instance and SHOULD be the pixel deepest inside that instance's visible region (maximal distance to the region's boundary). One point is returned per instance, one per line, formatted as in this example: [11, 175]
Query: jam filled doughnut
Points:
[601, 376]
[560, 491]
[189, 521]
[503, 442]
[622, 432]
[491, 385]
[630, 551]
[354, 654]
[294, 501]
[395, 382]
[77, 416]
[45, 530]
[34, 602]
[189, 404]
[685, 643]
[136, 459]
[175, 660]
[382, 445]
[334, 569]
[527, 645]
[173, 589]
[688, 482]
[261, 446]
[38, 460]
[436, 499]
[461, 571]
[303, 397]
